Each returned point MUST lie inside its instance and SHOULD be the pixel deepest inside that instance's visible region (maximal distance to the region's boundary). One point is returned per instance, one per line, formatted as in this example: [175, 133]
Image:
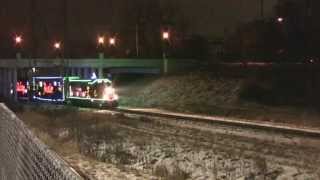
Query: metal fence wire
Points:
[24, 156]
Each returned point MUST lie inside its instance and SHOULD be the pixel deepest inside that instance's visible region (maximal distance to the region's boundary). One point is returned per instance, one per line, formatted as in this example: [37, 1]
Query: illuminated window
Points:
[21, 88]
[48, 89]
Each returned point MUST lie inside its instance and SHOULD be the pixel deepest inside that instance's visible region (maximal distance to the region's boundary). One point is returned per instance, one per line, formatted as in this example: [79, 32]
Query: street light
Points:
[165, 38]
[112, 41]
[57, 48]
[165, 35]
[280, 19]
[100, 40]
[18, 40]
[57, 45]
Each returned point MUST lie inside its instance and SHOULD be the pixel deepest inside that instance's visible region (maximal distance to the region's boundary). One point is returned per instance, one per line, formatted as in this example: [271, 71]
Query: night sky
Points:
[85, 19]
[205, 16]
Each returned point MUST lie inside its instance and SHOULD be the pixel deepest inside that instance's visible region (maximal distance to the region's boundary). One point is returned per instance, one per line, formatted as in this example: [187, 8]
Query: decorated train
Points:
[69, 90]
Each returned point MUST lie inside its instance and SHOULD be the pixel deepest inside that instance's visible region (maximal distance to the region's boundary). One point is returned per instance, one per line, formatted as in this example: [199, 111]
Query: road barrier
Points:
[24, 156]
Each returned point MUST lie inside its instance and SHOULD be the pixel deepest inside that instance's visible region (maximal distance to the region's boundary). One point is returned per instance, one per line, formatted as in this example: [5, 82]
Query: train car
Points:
[93, 92]
[69, 90]
[50, 89]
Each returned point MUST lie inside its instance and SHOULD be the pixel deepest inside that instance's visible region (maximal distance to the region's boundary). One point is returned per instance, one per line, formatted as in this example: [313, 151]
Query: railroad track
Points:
[272, 127]
[224, 121]
[277, 156]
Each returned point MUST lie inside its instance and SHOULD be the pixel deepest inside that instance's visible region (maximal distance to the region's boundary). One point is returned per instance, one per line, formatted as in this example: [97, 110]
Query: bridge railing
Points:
[24, 156]
[95, 63]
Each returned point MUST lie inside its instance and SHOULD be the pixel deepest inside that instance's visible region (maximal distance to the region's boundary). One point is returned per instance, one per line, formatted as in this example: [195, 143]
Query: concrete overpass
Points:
[13, 69]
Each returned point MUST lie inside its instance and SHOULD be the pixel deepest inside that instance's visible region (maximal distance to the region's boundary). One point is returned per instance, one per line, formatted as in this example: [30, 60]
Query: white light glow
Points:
[18, 39]
[112, 41]
[93, 75]
[101, 40]
[165, 35]
[280, 19]
[109, 94]
[57, 45]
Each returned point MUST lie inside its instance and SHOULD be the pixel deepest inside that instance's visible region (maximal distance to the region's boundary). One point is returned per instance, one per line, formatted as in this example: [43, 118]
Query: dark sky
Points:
[203, 16]
[213, 17]
[87, 18]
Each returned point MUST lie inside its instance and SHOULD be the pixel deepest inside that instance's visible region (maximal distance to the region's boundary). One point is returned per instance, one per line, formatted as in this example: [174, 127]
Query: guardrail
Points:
[24, 156]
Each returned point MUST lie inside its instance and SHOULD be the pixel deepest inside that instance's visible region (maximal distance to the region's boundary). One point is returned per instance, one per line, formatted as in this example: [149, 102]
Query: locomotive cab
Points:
[97, 92]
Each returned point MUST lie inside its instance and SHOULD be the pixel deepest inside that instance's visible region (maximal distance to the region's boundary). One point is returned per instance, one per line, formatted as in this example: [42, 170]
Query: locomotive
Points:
[68, 90]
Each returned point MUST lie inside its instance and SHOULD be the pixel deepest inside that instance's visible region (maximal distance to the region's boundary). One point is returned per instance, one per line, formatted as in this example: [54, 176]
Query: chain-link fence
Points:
[23, 156]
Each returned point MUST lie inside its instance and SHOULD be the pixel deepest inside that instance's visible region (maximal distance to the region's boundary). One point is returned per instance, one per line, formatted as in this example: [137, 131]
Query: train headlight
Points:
[109, 94]
[109, 91]
[115, 97]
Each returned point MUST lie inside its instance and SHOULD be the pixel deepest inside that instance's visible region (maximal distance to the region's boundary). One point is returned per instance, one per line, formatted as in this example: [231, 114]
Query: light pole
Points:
[101, 42]
[112, 44]
[18, 41]
[13, 91]
[165, 38]
[100, 46]
[57, 47]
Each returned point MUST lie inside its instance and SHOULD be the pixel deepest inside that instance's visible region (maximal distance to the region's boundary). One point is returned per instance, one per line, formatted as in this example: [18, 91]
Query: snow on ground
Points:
[251, 98]
[101, 170]
[119, 147]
